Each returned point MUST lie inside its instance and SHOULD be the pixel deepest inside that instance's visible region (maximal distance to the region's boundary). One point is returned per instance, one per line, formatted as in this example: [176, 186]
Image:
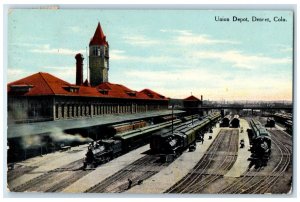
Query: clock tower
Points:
[98, 58]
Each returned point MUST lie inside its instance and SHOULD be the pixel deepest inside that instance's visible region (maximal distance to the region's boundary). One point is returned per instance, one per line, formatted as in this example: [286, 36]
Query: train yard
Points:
[200, 155]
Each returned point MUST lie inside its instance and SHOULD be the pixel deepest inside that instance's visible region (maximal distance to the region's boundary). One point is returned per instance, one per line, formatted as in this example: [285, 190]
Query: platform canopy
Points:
[18, 130]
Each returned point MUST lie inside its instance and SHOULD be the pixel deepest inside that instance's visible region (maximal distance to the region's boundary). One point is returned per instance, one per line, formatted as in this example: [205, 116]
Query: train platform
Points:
[241, 163]
[45, 163]
[168, 176]
[19, 130]
[106, 170]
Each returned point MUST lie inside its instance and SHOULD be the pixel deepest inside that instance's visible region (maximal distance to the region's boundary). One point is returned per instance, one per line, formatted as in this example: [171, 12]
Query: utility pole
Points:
[172, 117]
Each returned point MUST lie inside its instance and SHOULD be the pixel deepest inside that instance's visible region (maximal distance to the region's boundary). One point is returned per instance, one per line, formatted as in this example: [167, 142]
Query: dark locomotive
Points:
[270, 123]
[169, 145]
[235, 122]
[260, 144]
[225, 121]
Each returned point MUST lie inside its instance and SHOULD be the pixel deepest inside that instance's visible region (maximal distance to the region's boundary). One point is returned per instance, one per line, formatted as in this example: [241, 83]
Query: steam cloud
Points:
[57, 136]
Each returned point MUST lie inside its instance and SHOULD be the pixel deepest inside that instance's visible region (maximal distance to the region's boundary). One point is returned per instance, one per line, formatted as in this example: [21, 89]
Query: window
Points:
[95, 51]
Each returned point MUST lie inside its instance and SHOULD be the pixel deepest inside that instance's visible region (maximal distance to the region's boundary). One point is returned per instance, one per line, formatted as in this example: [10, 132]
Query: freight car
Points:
[235, 122]
[171, 144]
[102, 151]
[162, 119]
[283, 117]
[260, 144]
[225, 121]
[123, 127]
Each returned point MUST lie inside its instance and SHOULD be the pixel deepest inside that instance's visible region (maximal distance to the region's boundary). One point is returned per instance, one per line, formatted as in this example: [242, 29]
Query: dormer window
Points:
[72, 89]
[131, 93]
[150, 95]
[103, 91]
[21, 88]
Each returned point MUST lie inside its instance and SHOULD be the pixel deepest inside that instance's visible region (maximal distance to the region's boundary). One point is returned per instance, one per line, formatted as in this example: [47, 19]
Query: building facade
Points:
[44, 97]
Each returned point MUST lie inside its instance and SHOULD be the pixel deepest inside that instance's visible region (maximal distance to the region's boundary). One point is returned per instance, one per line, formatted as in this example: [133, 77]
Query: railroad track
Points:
[19, 171]
[196, 180]
[139, 170]
[54, 180]
[252, 183]
[224, 166]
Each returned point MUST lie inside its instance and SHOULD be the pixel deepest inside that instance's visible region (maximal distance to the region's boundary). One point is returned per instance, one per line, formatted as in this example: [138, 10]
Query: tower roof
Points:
[99, 38]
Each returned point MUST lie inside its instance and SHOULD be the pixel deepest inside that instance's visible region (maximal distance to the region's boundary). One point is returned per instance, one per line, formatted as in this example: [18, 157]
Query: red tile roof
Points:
[191, 98]
[43, 84]
[99, 38]
[152, 94]
[47, 84]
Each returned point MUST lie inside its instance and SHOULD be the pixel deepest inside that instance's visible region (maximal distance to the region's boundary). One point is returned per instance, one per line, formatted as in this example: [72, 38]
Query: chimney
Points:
[79, 69]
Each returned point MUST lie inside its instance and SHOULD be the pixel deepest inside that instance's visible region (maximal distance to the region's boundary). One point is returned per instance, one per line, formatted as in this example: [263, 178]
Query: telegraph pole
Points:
[172, 117]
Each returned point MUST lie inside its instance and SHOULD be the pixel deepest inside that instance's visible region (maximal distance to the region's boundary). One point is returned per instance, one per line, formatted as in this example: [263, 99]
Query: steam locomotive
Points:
[270, 123]
[171, 144]
[102, 151]
[225, 121]
[260, 143]
[235, 122]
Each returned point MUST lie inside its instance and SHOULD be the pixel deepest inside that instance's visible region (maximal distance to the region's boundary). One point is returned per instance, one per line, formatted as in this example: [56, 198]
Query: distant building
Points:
[43, 97]
[192, 101]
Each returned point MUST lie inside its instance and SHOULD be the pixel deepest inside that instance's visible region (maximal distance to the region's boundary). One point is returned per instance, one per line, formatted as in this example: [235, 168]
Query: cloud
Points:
[283, 48]
[186, 37]
[121, 55]
[211, 85]
[140, 40]
[14, 74]
[200, 39]
[75, 29]
[66, 73]
[181, 32]
[241, 60]
[117, 55]
[60, 51]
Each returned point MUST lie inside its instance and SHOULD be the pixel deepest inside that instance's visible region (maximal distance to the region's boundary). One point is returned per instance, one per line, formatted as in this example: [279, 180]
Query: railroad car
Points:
[171, 144]
[235, 122]
[102, 151]
[225, 121]
[270, 123]
[123, 127]
[260, 143]
[282, 117]
[191, 117]
[162, 119]
[289, 126]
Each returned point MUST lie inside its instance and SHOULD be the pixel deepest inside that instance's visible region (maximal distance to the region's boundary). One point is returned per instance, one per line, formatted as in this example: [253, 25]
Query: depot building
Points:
[44, 97]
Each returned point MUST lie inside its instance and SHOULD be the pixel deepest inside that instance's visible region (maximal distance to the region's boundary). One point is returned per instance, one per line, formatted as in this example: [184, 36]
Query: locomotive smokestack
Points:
[79, 69]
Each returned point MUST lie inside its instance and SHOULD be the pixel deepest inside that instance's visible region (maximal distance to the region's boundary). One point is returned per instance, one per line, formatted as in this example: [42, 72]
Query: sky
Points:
[173, 52]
